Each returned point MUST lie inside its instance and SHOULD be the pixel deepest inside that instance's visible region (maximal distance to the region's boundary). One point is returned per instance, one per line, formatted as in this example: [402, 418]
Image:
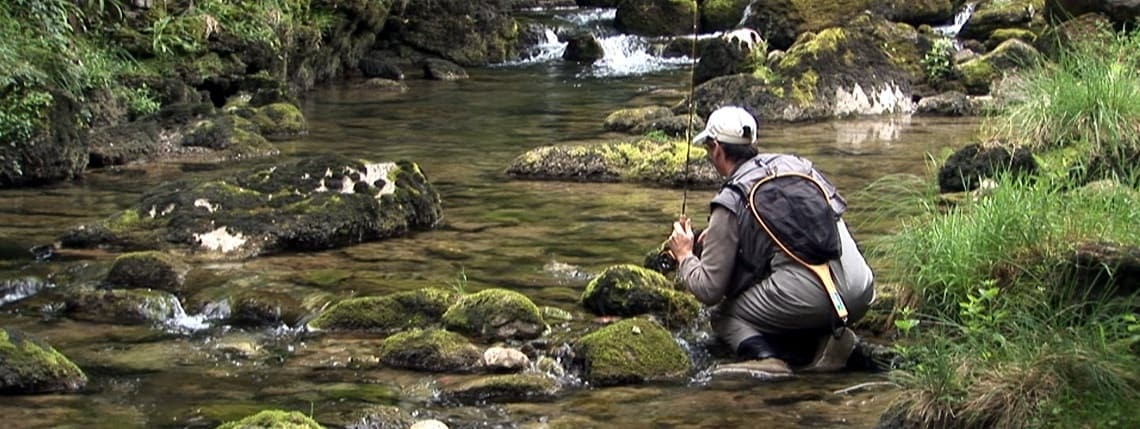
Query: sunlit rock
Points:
[630, 290]
[312, 204]
[627, 119]
[505, 359]
[979, 73]
[275, 419]
[280, 121]
[645, 160]
[496, 314]
[428, 424]
[630, 351]
[386, 314]
[432, 350]
[28, 365]
[500, 388]
[864, 68]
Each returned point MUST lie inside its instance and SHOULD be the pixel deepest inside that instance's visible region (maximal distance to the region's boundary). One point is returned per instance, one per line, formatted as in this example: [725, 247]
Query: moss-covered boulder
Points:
[966, 168]
[121, 306]
[28, 365]
[229, 137]
[433, 350]
[648, 160]
[992, 15]
[625, 120]
[274, 419]
[496, 314]
[500, 388]
[280, 121]
[656, 17]
[978, 74]
[782, 22]
[469, 33]
[630, 290]
[312, 204]
[838, 72]
[148, 270]
[390, 313]
[630, 351]
[721, 15]
[40, 142]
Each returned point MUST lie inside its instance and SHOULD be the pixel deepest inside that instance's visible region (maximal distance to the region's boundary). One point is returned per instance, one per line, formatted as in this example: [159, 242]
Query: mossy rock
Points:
[1002, 34]
[41, 142]
[501, 388]
[1011, 55]
[496, 314]
[28, 365]
[150, 269]
[389, 313]
[122, 306]
[433, 350]
[280, 121]
[274, 419]
[317, 203]
[625, 120]
[232, 136]
[656, 17]
[993, 15]
[721, 15]
[630, 351]
[645, 160]
[630, 290]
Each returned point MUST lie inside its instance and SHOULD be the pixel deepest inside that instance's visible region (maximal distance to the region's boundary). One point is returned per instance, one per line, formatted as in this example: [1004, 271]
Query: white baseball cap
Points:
[729, 125]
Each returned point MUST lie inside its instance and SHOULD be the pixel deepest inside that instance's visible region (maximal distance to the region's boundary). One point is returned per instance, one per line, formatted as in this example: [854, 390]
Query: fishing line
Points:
[689, 129]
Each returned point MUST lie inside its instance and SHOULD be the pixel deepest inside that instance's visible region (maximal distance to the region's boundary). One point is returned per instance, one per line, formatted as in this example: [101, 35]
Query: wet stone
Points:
[501, 388]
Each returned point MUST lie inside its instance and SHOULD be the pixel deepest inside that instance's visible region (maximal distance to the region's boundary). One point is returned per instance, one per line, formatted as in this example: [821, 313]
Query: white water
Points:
[951, 30]
[625, 55]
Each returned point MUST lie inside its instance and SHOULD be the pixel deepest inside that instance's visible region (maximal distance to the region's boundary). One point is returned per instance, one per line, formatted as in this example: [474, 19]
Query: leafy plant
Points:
[938, 62]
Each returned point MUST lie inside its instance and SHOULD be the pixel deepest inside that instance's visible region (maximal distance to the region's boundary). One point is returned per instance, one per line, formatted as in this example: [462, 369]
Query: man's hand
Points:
[681, 240]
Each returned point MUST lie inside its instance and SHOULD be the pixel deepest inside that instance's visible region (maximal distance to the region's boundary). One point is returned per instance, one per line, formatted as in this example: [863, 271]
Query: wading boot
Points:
[832, 352]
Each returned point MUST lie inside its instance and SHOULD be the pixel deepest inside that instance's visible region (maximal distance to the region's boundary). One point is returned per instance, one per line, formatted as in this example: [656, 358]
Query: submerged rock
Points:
[496, 314]
[312, 204]
[501, 388]
[28, 365]
[432, 350]
[630, 351]
[630, 290]
[386, 314]
[274, 419]
[153, 270]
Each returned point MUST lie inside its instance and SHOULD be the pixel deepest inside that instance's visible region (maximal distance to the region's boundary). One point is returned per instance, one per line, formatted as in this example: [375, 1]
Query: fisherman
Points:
[766, 301]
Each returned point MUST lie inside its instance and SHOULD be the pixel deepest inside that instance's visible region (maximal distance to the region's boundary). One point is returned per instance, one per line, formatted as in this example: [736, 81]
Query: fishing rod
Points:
[689, 128]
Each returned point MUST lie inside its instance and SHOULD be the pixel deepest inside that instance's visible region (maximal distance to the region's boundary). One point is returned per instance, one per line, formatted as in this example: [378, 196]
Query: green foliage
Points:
[1091, 95]
[938, 61]
[1008, 338]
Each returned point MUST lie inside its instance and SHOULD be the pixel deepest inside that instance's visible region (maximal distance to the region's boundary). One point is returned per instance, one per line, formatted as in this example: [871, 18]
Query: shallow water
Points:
[540, 238]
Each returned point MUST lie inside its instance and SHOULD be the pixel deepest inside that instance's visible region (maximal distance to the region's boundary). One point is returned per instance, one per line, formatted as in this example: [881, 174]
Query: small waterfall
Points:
[951, 30]
[747, 12]
[625, 55]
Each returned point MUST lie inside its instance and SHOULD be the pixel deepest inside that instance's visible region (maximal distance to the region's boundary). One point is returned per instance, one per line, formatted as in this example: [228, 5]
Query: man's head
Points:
[729, 136]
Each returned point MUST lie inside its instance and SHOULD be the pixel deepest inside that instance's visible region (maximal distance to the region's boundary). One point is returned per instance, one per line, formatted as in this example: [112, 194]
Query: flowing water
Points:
[543, 239]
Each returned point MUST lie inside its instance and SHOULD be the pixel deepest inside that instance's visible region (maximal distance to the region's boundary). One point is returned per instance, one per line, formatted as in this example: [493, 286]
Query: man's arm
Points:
[707, 276]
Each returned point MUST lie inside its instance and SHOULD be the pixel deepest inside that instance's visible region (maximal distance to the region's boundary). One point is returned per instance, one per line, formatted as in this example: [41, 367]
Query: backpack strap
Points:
[822, 271]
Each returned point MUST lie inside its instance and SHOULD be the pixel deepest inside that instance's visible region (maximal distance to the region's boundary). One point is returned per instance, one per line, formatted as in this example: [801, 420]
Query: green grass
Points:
[998, 333]
[1090, 95]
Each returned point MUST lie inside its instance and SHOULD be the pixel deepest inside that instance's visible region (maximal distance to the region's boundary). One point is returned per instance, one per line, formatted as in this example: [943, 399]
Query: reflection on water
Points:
[543, 239]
